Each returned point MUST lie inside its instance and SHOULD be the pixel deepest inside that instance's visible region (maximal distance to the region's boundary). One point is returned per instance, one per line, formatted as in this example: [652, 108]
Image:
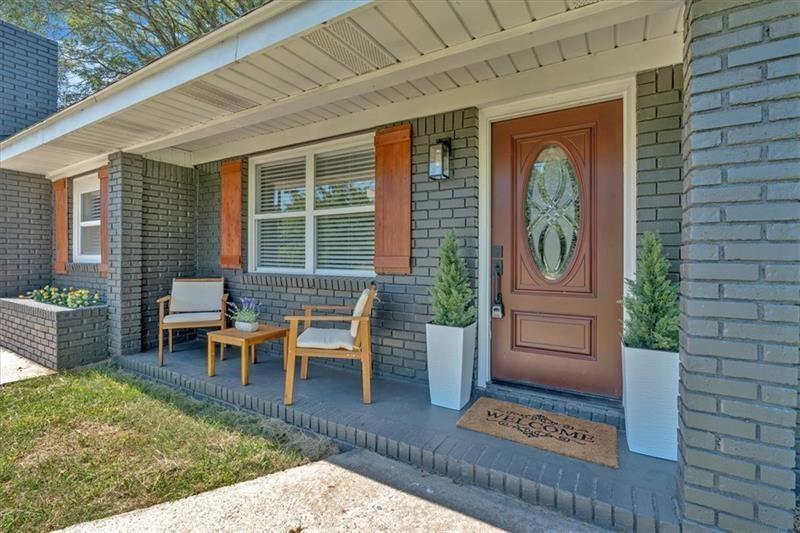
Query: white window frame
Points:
[81, 186]
[309, 213]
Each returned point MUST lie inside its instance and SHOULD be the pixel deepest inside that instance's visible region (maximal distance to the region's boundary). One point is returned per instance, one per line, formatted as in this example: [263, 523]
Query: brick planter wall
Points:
[53, 336]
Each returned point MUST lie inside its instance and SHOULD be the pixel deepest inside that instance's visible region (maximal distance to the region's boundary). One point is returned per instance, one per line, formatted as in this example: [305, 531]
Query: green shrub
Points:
[70, 297]
[453, 298]
[652, 301]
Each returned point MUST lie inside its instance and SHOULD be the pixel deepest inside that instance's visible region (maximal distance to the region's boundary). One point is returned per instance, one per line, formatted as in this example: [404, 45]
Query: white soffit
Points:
[373, 57]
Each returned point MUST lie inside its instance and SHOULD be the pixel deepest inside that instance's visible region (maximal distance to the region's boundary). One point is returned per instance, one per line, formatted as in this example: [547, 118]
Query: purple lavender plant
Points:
[247, 311]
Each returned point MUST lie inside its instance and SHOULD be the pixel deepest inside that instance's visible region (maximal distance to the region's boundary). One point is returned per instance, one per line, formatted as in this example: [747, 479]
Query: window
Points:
[313, 209]
[86, 219]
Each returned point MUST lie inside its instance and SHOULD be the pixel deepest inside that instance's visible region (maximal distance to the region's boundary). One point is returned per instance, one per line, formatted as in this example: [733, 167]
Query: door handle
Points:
[498, 309]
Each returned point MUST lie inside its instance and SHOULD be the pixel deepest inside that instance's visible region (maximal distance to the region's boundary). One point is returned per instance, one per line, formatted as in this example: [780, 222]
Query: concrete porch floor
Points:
[402, 424]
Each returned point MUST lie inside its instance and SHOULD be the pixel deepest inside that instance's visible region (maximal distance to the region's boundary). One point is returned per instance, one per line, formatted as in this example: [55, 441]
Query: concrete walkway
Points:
[16, 368]
[355, 491]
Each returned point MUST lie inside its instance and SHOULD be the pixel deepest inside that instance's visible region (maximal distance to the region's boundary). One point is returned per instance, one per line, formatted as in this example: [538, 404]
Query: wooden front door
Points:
[557, 247]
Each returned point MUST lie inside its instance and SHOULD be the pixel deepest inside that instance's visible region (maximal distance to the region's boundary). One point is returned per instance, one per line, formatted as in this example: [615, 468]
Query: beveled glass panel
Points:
[552, 212]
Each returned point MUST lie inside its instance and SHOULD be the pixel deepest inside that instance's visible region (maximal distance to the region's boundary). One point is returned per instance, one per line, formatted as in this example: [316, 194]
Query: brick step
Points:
[588, 408]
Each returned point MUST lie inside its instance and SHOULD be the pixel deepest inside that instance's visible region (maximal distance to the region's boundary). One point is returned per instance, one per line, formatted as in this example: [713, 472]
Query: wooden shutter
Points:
[393, 200]
[60, 225]
[102, 175]
[230, 215]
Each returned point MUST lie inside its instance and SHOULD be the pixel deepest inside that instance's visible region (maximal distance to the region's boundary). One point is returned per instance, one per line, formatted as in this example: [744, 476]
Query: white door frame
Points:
[623, 87]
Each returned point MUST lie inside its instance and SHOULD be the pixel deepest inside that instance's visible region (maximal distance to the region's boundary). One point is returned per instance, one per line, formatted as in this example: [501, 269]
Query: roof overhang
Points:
[292, 71]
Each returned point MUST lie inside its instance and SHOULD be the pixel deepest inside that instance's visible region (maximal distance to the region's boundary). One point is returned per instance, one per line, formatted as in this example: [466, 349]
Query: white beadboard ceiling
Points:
[317, 75]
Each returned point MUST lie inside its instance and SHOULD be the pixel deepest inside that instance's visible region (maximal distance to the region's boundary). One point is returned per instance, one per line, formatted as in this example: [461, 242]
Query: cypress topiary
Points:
[453, 299]
[652, 301]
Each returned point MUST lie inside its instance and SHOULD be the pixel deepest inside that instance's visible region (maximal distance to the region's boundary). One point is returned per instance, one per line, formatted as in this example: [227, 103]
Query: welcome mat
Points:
[573, 437]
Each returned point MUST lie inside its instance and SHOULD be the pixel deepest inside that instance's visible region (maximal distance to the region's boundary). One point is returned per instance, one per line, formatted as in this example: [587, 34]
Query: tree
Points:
[101, 41]
[453, 299]
[652, 301]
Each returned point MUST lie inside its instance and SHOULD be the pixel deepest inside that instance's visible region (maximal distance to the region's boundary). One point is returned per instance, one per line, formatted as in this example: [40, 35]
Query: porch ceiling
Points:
[351, 70]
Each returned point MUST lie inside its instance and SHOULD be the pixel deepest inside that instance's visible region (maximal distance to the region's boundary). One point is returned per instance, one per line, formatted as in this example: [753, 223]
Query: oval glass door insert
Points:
[552, 212]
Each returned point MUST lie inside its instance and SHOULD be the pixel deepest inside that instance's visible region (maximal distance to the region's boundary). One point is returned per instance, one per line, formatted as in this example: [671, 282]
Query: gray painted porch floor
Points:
[402, 424]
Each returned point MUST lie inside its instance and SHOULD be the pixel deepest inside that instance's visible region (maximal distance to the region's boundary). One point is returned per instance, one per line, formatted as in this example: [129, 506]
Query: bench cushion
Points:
[183, 318]
[326, 339]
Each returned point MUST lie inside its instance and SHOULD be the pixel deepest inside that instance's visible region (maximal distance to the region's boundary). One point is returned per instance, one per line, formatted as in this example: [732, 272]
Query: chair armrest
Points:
[223, 314]
[328, 307]
[161, 304]
[327, 318]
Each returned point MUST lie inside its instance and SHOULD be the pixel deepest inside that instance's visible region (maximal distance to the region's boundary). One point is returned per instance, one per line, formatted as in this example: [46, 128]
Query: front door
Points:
[557, 247]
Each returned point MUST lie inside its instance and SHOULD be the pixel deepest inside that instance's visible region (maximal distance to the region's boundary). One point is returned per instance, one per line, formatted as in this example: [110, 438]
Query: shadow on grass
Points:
[310, 446]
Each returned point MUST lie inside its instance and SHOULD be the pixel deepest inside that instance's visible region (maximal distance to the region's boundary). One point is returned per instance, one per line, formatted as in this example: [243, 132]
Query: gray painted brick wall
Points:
[26, 232]
[740, 276]
[404, 308]
[79, 275]
[28, 78]
[169, 238]
[659, 97]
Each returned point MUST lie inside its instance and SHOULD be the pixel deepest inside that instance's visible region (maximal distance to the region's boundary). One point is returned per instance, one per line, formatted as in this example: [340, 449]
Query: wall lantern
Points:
[439, 160]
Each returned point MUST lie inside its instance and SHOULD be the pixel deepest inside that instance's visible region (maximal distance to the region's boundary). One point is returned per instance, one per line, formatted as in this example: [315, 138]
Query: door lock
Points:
[498, 310]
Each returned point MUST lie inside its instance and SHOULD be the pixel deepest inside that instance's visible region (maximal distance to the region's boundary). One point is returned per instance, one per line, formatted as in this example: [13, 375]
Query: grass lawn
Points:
[85, 445]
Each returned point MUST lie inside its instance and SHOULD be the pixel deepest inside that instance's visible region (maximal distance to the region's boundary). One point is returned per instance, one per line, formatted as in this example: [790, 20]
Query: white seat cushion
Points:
[326, 339]
[182, 318]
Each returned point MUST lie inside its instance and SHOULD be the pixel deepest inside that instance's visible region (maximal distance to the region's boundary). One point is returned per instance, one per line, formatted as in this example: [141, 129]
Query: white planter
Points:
[650, 400]
[249, 327]
[451, 355]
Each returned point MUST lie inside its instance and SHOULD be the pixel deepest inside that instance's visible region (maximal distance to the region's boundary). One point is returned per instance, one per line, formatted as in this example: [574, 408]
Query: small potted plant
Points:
[451, 335]
[245, 315]
[650, 355]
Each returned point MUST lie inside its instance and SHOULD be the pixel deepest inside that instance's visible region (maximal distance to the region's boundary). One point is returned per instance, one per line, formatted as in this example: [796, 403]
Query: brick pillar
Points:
[741, 272]
[125, 253]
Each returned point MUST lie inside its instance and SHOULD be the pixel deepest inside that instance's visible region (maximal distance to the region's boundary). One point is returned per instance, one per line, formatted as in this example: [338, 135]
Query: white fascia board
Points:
[538, 32]
[272, 24]
[607, 65]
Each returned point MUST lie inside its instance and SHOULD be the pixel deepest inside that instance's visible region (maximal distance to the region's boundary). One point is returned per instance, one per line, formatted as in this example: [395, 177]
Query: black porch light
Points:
[439, 160]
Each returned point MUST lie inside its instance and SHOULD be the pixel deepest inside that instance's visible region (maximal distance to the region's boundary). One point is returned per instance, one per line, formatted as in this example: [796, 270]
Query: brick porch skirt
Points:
[402, 424]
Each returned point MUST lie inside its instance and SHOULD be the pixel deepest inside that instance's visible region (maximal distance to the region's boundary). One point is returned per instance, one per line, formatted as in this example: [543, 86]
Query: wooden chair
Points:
[193, 303]
[354, 344]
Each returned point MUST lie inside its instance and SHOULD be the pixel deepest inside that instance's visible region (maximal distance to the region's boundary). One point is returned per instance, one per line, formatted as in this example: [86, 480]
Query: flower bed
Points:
[72, 298]
[54, 336]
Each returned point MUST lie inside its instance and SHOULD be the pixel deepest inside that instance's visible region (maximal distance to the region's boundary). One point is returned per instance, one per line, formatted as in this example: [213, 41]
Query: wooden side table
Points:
[247, 341]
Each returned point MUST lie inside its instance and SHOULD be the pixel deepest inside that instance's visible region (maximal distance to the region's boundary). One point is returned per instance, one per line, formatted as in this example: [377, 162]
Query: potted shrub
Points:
[245, 315]
[451, 335]
[650, 356]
